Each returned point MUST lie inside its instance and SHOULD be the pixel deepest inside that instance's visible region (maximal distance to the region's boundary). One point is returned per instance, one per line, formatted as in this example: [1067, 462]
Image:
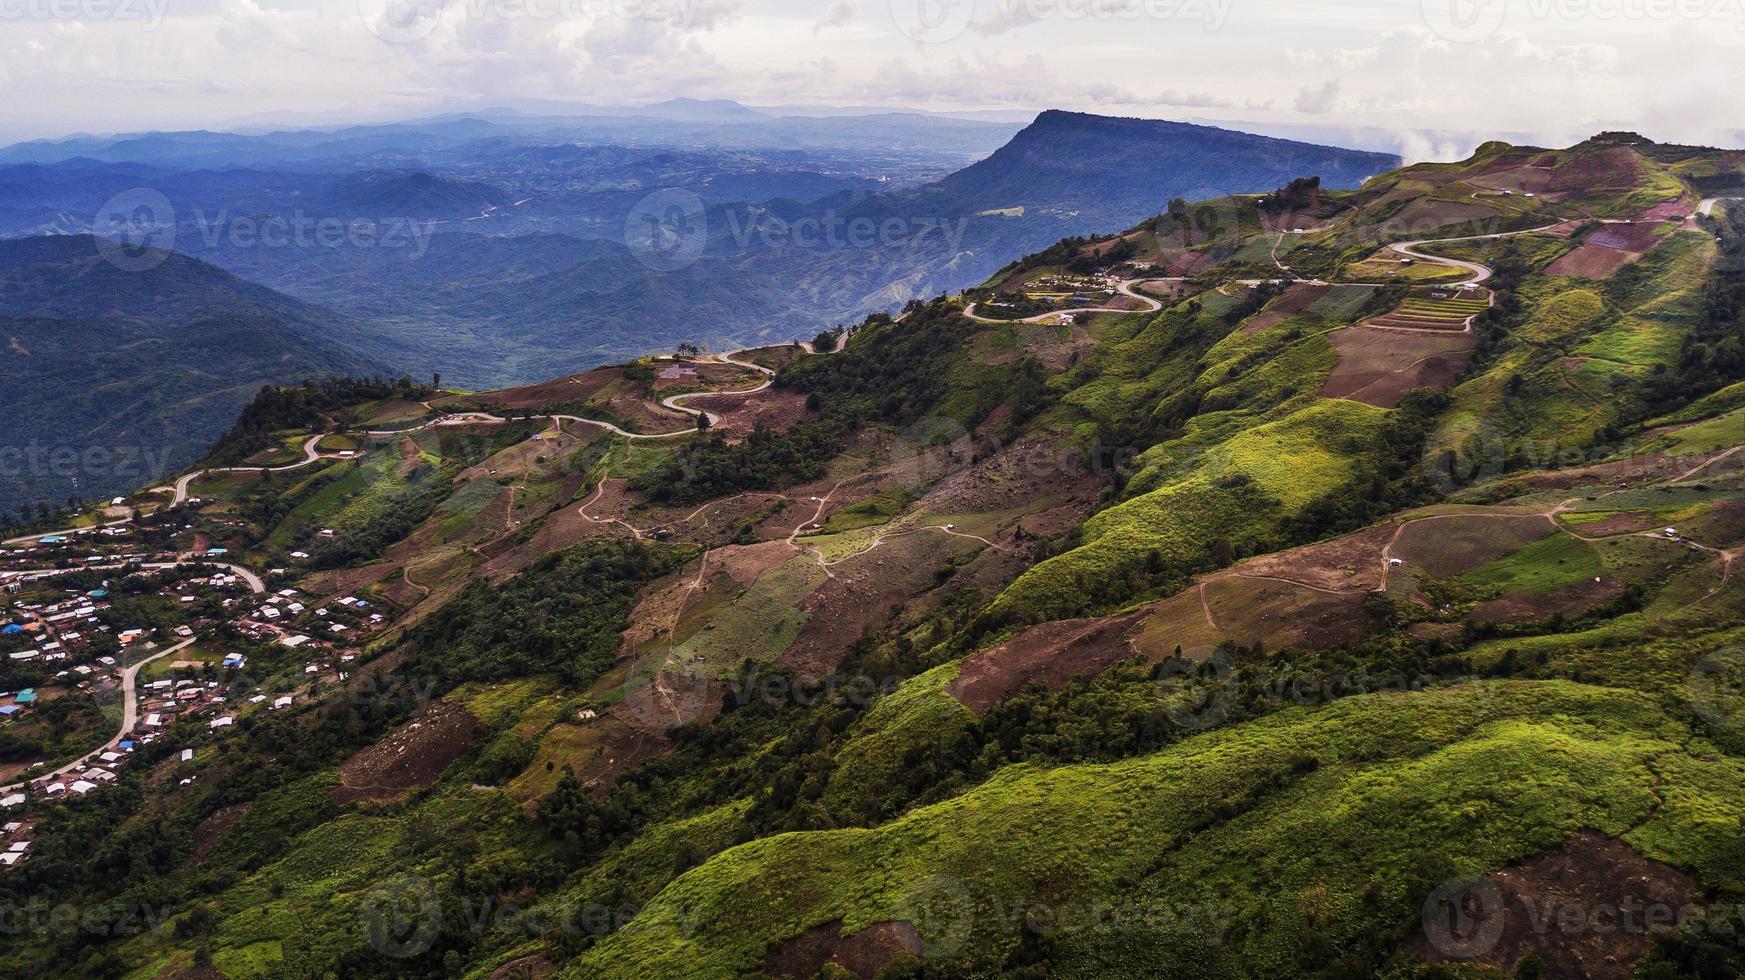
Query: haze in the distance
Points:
[1434, 73]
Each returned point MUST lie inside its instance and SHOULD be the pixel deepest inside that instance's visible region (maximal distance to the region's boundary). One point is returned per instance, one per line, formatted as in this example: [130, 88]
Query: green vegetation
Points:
[1231, 691]
[562, 616]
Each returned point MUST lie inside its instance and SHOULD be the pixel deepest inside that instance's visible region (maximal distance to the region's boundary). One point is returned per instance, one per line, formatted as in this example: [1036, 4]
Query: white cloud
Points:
[839, 13]
[1363, 63]
[1318, 100]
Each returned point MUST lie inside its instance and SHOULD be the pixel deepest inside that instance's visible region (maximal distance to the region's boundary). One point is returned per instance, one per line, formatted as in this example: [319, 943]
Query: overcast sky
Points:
[1555, 69]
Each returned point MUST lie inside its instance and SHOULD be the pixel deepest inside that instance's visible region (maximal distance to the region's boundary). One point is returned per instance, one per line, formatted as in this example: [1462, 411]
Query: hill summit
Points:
[1110, 169]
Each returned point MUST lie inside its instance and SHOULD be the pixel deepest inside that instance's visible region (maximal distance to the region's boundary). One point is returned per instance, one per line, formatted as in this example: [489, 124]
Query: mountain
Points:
[118, 376]
[409, 194]
[686, 125]
[577, 292]
[697, 110]
[501, 249]
[1317, 583]
[1108, 172]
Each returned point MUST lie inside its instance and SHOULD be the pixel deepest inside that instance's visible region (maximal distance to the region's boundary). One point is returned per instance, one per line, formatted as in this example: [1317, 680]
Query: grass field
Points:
[1218, 829]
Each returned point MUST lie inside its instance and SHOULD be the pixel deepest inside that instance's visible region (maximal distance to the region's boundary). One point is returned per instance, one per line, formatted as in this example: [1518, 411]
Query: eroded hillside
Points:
[1229, 597]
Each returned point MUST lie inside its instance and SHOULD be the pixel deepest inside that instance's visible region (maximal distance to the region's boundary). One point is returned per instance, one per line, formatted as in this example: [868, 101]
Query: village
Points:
[1057, 293]
[114, 639]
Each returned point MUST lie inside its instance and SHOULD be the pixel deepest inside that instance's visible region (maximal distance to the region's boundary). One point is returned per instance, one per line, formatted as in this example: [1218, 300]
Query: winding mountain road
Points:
[1125, 289]
[129, 718]
[310, 455]
[1481, 273]
[130, 675]
[672, 402]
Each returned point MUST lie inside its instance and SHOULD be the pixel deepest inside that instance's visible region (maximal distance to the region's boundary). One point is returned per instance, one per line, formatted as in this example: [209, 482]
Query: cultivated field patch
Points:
[1377, 367]
[409, 758]
[1049, 655]
[1446, 546]
[1601, 877]
[1433, 308]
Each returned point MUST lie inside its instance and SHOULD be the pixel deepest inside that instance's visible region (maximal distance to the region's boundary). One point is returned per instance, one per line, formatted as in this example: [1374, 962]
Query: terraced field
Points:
[1436, 310]
[1241, 637]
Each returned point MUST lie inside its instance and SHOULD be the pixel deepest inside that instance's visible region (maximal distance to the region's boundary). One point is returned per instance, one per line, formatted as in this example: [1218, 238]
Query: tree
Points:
[436, 379]
[702, 421]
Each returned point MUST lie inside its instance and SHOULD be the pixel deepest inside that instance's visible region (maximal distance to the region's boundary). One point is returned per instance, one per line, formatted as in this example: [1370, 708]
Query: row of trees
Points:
[277, 408]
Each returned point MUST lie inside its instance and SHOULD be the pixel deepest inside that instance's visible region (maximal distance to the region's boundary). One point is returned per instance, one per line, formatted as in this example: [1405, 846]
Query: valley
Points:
[501, 252]
[1226, 596]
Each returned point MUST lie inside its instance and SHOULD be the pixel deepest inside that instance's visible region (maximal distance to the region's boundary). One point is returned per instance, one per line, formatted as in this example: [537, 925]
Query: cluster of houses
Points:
[85, 776]
[284, 618]
[68, 634]
[1075, 288]
[14, 836]
[75, 641]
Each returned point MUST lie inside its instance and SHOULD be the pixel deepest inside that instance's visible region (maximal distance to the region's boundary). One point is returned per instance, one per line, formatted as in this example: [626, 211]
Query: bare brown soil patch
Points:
[1673, 210]
[1580, 909]
[864, 954]
[211, 830]
[662, 603]
[1631, 470]
[1349, 563]
[636, 404]
[775, 408]
[1723, 525]
[342, 581]
[1377, 367]
[633, 732]
[1506, 176]
[1445, 546]
[1278, 614]
[1591, 262]
[774, 357]
[1295, 300]
[1598, 173]
[1050, 655]
[410, 457]
[1161, 289]
[744, 564]
[1018, 477]
[1179, 622]
[1185, 263]
[1427, 214]
[403, 593]
[409, 758]
[557, 391]
[705, 373]
[866, 590]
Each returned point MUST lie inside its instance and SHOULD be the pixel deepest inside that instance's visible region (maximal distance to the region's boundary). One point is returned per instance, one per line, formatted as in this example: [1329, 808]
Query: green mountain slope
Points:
[1236, 596]
[118, 377]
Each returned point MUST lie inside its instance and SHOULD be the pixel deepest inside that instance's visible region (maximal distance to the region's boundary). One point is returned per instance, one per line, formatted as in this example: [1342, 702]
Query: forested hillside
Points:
[1314, 582]
[119, 376]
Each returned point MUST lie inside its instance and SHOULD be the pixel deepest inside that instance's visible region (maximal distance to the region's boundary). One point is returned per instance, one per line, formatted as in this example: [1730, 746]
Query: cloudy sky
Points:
[1552, 69]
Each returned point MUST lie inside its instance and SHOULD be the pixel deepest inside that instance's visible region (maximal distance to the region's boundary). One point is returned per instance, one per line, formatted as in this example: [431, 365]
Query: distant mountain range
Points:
[113, 376]
[679, 124]
[497, 253]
